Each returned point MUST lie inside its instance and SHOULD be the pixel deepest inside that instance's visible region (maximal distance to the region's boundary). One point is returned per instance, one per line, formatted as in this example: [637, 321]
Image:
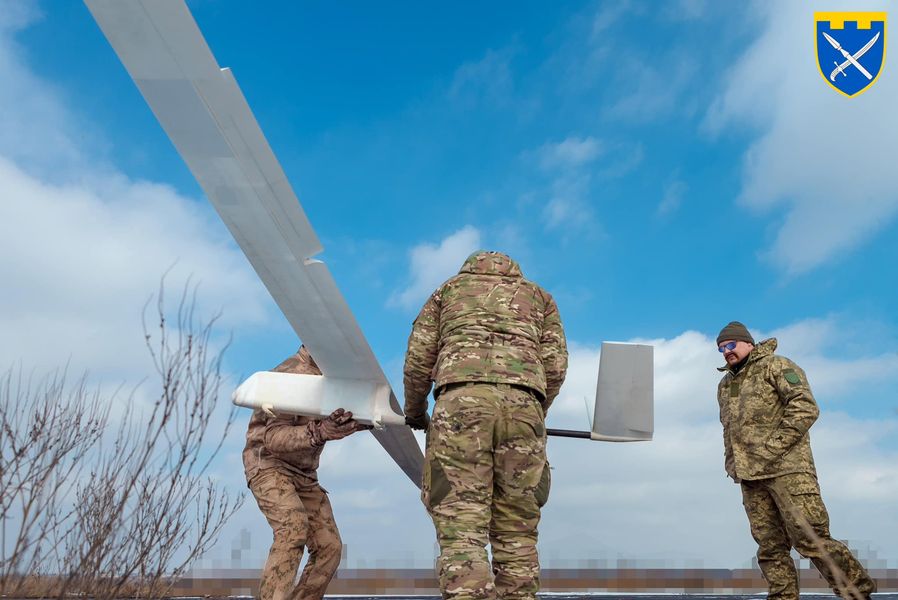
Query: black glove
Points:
[420, 422]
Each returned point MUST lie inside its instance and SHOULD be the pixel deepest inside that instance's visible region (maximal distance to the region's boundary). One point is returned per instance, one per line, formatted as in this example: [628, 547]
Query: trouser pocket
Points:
[542, 489]
[438, 487]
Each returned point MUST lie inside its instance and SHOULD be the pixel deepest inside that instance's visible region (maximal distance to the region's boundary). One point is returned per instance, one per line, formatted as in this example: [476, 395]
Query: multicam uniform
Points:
[281, 462]
[766, 408]
[492, 344]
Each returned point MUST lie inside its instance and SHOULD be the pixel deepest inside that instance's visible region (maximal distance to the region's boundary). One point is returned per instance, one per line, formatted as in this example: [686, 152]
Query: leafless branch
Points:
[114, 505]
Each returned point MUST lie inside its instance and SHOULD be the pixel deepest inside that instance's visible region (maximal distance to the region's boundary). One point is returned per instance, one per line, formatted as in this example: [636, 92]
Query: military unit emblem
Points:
[851, 49]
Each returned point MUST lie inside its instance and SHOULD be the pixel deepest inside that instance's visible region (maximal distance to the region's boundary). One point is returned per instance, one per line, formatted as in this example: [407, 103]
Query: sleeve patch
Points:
[792, 377]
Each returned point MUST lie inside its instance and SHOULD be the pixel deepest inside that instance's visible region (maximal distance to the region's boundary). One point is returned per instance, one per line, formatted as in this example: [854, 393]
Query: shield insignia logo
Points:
[851, 49]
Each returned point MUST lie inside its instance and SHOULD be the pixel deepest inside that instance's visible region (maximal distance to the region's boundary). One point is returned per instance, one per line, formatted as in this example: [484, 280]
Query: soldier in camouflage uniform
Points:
[281, 463]
[766, 408]
[492, 344]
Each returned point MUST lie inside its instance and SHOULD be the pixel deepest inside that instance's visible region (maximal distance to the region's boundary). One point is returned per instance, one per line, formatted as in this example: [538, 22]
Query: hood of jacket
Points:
[491, 263]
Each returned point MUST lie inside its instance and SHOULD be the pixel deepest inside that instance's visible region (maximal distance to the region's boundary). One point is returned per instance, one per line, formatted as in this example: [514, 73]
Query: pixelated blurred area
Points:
[574, 580]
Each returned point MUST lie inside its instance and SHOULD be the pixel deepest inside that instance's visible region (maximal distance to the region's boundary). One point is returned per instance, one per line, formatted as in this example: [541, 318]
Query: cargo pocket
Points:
[805, 507]
[542, 488]
[811, 505]
[439, 484]
[805, 492]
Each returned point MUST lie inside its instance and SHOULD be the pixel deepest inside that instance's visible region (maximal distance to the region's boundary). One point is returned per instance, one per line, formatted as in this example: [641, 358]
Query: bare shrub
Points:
[844, 587]
[113, 506]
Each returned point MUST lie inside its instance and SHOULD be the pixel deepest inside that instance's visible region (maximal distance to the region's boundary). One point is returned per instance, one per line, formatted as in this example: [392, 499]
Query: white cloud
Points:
[81, 260]
[822, 165]
[568, 208]
[648, 81]
[807, 342]
[82, 246]
[572, 165]
[35, 128]
[17, 15]
[572, 152]
[432, 264]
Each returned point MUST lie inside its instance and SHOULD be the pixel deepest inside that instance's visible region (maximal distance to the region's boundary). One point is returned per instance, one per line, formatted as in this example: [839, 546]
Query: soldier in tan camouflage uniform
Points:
[492, 344]
[766, 408]
[281, 463]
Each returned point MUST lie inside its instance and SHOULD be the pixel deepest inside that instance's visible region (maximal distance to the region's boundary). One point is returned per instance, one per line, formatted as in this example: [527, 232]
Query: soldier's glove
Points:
[420, 422]
[335, 426]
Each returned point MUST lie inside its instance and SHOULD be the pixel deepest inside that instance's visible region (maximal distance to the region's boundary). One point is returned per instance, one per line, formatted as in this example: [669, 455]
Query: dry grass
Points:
[844, 587]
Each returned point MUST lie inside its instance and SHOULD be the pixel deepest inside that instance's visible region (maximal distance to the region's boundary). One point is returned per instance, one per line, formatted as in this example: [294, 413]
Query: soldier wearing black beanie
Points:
[767, 409]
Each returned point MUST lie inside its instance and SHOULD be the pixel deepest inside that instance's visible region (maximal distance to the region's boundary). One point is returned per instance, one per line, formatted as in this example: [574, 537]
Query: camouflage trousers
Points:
[787, 512]
[485, 479]
[300, 515]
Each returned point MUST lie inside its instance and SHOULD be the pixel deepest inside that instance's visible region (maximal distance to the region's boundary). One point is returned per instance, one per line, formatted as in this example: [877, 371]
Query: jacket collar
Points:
[762, 350]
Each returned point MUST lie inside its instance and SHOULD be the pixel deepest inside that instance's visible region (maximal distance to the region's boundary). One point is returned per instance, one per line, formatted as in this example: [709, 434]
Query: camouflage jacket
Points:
[284, 442]
[766, 408]
[486, 324]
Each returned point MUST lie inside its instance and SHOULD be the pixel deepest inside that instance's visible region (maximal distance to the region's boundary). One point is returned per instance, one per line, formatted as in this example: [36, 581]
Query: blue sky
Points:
[661, 169]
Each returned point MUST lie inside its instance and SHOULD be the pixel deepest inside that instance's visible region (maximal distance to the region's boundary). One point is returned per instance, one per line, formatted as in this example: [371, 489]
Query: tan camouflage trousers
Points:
[300, 515]
[776, 510]
[485, 460]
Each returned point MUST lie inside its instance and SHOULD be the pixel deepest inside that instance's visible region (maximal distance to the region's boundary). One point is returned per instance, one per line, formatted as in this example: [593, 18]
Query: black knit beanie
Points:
[735, 331]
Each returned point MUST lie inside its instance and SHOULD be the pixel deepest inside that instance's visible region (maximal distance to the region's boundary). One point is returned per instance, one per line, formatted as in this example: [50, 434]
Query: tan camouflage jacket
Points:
[766, 409]
[284, 442]
[486, 324]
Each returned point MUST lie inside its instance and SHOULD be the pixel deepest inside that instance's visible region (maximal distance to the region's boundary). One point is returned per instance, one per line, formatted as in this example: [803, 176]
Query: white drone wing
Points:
[204, 113]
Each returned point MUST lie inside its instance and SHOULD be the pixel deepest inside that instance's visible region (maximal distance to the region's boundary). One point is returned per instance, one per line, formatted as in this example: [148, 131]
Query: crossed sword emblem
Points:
[850, 59]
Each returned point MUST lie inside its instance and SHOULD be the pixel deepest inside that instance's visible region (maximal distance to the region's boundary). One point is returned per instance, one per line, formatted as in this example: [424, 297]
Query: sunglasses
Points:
[727, 346]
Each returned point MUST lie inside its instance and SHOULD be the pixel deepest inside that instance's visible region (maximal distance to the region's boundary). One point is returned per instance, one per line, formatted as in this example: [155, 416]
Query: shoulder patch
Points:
[792, 377]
